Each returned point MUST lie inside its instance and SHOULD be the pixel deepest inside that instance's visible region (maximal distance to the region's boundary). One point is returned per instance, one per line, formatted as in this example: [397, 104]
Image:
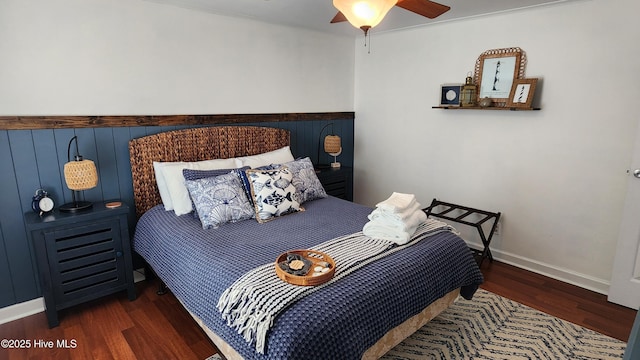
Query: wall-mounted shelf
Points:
[483, 108]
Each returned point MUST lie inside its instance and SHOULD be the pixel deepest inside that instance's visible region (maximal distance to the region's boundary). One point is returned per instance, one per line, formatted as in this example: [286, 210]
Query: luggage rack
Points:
[485, 216]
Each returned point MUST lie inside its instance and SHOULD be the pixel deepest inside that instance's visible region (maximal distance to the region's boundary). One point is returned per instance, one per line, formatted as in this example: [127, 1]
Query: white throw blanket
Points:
[252, 302]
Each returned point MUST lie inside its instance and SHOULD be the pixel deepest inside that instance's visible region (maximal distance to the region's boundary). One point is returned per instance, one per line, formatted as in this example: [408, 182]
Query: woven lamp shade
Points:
[332, 144]
[81, 175]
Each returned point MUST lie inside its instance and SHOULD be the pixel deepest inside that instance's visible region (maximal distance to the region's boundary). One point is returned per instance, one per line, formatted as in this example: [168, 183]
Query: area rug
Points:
[491, 327]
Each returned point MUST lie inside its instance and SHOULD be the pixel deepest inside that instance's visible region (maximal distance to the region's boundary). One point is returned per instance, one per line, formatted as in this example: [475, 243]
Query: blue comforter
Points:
[340, 321]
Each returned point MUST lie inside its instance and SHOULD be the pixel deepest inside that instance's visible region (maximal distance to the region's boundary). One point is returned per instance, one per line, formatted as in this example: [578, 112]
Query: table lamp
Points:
[79, 174]
[332, 146]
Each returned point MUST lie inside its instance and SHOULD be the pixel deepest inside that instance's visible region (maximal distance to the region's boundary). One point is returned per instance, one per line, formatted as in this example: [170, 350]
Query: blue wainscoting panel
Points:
[26, 181]
[121, 137]
[62, 138]
[10, 198]
[106, 162]
[46, 154]
[6, 297]
[33, 159]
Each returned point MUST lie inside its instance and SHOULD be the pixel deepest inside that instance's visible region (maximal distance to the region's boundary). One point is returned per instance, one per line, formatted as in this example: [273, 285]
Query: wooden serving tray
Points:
[316, 258]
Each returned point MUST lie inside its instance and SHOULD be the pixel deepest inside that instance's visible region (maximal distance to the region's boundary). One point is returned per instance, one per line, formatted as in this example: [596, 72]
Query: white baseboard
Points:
[581, 280]
[24, 309]
[138, 275]
[27, 308]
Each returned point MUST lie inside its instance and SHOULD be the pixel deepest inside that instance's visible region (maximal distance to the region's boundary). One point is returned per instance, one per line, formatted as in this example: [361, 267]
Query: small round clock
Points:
[42, 203]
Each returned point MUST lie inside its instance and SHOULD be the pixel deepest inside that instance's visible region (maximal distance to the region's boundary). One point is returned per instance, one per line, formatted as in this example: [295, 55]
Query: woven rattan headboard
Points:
[220, 142]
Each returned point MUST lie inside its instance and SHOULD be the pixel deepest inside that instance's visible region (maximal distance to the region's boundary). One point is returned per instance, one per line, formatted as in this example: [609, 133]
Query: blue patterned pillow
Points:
[245, 180]
[273, 193]
[190, 174]
[305, 180]
[219, 200]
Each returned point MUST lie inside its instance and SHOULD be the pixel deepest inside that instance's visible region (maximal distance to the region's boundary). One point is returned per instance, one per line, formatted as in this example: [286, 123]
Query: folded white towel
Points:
[397, 202]
[375, 230]
[403, 222]
[404, 215]
[395, 219]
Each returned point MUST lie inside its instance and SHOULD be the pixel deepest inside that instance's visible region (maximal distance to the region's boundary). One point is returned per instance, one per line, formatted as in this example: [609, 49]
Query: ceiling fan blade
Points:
[426, 8]
[338, 18]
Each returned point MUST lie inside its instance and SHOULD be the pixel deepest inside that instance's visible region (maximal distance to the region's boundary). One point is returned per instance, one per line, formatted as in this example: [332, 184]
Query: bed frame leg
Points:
[150, 275]
[162, 288]
[148, 272]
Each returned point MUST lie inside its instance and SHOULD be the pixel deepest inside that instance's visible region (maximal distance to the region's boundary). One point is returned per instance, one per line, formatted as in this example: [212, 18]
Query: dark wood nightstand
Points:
[337, 182]
[81, 256]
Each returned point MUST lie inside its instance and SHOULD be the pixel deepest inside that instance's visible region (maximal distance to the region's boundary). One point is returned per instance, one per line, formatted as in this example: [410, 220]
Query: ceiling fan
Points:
[365, 14]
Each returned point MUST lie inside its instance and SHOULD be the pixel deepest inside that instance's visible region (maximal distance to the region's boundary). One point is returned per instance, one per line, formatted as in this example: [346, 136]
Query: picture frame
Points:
[450, 94]
[522, 93]
[496, 70]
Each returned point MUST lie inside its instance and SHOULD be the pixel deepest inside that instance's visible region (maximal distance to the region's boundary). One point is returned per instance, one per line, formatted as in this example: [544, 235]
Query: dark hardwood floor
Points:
[150, 327]
[157, 327]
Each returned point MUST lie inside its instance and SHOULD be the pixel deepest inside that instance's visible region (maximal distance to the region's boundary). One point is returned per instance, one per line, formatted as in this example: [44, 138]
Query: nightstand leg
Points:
[52, 317]
[131, 293]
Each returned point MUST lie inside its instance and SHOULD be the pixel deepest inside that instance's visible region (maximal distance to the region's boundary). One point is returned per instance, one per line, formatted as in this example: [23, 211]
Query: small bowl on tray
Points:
[305, 267]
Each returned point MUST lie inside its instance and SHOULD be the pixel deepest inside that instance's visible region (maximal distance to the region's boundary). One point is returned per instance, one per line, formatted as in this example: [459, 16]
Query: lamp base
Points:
[76, 206]
[335, 165]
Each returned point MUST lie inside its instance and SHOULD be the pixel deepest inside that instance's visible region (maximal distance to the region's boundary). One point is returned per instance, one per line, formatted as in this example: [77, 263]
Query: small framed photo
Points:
[522, 93]
[450, 94]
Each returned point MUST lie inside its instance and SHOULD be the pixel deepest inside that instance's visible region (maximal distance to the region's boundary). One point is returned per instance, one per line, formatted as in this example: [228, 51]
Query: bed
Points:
[362, 315]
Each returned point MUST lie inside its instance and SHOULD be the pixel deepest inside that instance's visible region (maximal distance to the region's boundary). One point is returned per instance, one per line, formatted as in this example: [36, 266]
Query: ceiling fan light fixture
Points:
[364, 14]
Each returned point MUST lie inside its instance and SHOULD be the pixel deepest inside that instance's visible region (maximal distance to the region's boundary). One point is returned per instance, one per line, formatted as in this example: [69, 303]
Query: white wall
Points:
[112, 57]
[558, 175]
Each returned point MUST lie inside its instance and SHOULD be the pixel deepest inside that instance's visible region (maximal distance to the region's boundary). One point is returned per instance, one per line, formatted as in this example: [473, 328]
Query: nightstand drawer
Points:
[336, 187]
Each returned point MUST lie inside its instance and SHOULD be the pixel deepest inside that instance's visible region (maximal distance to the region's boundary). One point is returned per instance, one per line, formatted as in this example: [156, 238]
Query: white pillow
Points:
[172, 175]
[162, 184]
[279, 156]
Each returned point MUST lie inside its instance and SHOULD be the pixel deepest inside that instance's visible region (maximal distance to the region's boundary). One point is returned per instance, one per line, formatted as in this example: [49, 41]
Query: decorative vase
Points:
[485, 102]
[468, 93]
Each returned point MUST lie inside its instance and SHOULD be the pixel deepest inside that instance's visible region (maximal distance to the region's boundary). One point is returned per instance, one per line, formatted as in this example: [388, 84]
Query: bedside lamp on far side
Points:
[79, 174]
[332, 146]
